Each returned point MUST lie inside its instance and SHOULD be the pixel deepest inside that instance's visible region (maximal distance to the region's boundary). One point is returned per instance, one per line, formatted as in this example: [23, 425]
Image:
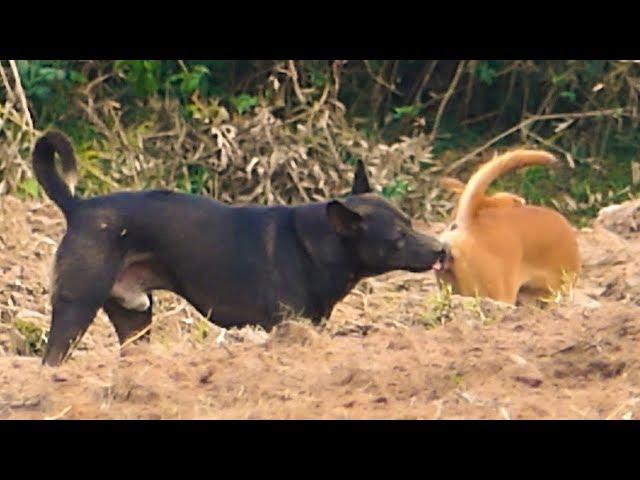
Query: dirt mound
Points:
[623, 219]
[394, 348]
[610, 270]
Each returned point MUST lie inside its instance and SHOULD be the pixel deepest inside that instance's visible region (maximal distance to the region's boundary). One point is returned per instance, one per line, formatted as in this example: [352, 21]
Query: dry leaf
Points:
[570, 161]
[571, 202]
[563, 125]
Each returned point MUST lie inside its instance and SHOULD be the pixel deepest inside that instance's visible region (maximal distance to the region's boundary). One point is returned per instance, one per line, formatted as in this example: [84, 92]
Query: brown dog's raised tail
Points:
[44, 167]
[476, 187]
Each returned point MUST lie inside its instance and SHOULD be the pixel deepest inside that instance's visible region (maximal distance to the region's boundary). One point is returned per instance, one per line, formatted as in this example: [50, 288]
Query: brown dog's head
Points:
[380, 236]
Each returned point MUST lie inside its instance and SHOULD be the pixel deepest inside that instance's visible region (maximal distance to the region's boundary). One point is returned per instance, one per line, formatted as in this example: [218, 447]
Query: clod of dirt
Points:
[600, 369]
[136, 349]
[204, 377]
[531, 382]
[132, 391]
[24, 403]
[599, 247]
[399, 343]
[607, 369]
[255, 335]
[357, 330]
[623, 219]
[293, 333]
[580, 298]
[352, 376]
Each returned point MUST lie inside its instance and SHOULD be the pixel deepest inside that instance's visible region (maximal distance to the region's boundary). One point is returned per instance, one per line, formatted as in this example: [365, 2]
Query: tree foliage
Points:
[586, 111]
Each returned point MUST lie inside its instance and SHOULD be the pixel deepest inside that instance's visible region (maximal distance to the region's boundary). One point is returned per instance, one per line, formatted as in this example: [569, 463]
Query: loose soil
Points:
[395, 348]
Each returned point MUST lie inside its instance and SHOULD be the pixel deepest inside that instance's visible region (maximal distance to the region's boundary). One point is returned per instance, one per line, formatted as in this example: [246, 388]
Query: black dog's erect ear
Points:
[360, 180]
[344, 221]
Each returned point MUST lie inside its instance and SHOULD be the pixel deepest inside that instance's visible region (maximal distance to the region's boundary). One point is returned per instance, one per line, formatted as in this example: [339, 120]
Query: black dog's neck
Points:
[332, 265]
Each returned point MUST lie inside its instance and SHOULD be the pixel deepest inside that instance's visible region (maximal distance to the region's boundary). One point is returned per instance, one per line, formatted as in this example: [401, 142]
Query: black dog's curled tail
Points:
[44, 167]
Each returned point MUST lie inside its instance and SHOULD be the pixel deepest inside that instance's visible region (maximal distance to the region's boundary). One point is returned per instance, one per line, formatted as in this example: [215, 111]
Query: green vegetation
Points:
[439, 307]
[253, 130]
[31, 337]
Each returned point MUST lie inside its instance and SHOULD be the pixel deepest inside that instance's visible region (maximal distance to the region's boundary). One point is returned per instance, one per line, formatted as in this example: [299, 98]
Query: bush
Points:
[127, 115]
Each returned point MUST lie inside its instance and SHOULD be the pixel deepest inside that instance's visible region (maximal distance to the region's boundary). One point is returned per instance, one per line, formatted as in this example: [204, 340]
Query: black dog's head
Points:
[380, 235]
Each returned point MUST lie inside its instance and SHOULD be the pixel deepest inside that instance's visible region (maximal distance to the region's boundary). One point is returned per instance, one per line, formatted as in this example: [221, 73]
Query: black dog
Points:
[237, 265]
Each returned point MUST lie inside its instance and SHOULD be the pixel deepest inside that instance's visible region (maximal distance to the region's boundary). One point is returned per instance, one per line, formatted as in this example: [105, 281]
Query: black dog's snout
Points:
[445, 253]
[432, 243]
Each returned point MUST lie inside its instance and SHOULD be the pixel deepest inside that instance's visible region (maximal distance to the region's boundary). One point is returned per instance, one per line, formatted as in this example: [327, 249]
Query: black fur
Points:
[46, 174]
[237, 265]
[360, 180]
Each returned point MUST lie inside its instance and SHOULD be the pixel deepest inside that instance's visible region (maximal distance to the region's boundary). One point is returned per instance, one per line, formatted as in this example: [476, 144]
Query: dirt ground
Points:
[395, 348]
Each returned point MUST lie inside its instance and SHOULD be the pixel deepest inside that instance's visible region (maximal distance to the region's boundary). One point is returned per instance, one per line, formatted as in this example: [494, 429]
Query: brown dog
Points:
[500, 199]
[493, 252]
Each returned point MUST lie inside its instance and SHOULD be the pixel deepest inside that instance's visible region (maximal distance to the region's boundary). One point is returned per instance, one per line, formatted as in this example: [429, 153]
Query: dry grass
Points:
[254, 157]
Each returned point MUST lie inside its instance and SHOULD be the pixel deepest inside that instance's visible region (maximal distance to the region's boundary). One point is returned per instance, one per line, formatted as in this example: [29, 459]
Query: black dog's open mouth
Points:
[443, 261]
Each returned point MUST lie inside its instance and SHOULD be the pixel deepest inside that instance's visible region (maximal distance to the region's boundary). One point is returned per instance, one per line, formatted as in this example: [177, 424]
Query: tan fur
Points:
[496, 251]
[497, 200]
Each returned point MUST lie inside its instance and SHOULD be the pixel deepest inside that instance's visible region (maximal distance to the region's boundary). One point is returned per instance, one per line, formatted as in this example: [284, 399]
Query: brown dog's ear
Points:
[360, 180]
[344, 221]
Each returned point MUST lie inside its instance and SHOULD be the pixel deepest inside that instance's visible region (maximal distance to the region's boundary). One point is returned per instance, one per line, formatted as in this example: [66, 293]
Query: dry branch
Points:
[536, 118]
[446, 98]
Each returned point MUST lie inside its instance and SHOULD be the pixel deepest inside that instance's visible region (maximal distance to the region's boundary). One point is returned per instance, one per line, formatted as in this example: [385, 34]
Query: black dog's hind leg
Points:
[128, 323]
[84, 272]
[69, 323]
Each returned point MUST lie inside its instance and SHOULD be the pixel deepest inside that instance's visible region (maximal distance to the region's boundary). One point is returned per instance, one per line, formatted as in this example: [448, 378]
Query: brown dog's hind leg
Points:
[128, 323]
[84, 272]
[506, 286]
